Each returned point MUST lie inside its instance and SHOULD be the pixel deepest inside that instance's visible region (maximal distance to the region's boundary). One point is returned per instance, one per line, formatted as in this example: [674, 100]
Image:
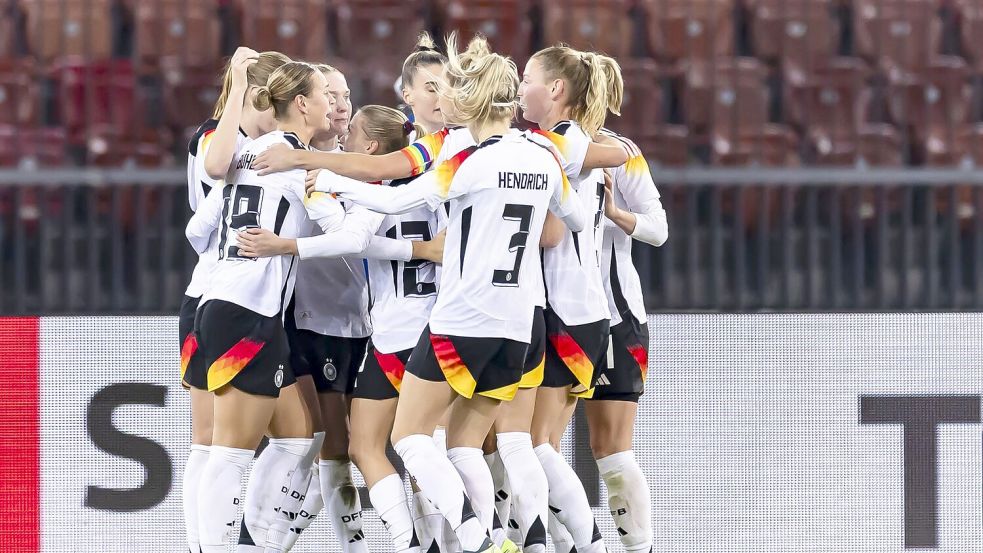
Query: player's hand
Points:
[275, 159]
[430, 250]
[241, 60]
[311, 181]
[611, 211]
[259, 242]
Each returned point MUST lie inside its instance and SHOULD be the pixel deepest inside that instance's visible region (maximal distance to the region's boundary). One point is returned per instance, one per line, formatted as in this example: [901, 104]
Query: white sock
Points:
[197, 457]
[568, 500]
[293, 489]
[628, 499]
[313, 503]
[470, 464]
[218, 496]
[264, 493]
[430, 524]
[440, 438]
[503, 503]
[343, 505]
[389, 499]
[442, 484]
[531, 499]
[562, 540]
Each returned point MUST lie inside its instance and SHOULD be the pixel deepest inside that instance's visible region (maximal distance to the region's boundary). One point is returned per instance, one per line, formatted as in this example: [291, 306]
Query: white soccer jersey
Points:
[572, 270]
[500, 191]
[432, 149]
[276, 202]
[403, 292]
[331, 296]
[199, 185]
[634, 191]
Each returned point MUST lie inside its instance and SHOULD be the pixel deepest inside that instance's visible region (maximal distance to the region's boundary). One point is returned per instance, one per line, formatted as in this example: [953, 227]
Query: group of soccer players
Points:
[451, 286]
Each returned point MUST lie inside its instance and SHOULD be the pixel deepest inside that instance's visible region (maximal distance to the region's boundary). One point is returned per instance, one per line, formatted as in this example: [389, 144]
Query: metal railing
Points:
[740, 240]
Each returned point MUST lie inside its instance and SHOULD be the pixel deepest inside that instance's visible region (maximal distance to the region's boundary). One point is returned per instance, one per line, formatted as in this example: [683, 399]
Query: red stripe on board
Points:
[20, 477]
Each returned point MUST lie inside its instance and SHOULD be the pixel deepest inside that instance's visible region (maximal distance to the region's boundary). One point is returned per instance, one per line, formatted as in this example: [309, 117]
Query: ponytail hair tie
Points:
[408, 128]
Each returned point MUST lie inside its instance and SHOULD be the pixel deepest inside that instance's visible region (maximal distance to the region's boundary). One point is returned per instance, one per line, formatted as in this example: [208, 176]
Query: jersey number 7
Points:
[522, 214]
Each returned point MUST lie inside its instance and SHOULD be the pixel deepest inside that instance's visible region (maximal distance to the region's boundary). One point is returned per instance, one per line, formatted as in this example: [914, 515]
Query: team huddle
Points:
[451, 286]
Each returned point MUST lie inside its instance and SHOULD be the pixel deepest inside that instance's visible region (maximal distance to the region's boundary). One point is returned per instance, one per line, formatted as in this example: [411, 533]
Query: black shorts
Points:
[625, 381]
[332, 361]
[242, 348]
[532, 373]
[382, 374]
[574, 354]
[491, 367]
[188, 341]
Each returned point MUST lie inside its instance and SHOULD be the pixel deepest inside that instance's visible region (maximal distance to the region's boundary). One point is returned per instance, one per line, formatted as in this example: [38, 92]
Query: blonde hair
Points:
[425, 53]
[616, 84]
[389, 127]
[586, 83]
[326, 69]
[256, 75]
[483, 86]
[286, 83]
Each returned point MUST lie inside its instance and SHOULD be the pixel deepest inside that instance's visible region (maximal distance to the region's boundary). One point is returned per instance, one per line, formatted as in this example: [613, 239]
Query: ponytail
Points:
[616, 84]
[389, 127]
[585, 80]
[483, 86]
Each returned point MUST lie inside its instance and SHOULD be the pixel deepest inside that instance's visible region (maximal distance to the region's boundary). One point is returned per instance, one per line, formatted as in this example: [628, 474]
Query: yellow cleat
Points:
[509, 546]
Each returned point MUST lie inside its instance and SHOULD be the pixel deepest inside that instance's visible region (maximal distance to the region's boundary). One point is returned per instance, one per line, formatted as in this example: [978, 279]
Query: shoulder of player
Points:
[633, 149]
[201, 132]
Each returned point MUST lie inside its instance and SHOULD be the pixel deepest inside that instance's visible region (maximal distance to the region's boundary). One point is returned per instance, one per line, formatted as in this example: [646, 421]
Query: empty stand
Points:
[691, 30]
[298, 28]
[58, 28]
[32, 146]
[95, 93]
[898, 35]
[18, 92]
[605, 26]
[644, 104]
[379, 29]
[505, 23]
[932, 103]
[189, 94]
[801, 34]
[186, 29]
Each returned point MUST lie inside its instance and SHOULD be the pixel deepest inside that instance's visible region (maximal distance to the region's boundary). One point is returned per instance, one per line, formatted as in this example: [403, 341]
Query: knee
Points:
[359, 451]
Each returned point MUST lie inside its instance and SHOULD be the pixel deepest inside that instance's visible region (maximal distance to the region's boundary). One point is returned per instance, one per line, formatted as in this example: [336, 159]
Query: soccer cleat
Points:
[509, 546]
[486, 546]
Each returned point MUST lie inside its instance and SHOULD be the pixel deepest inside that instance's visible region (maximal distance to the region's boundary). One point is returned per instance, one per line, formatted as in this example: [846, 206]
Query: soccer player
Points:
[565, 91]
[419, 84]
[239, 323]
[474, 347]
[632, 211]
[246, 72]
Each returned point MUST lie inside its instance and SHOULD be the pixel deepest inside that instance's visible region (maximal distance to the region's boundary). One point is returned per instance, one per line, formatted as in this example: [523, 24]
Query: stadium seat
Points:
[506, 23]
[707, 81]
[186, 29]
[971, 29]
[605, 26]
[18, 92]
[95, 93]
[898, 35]
[870, 144]
[831, 104]
[664, 145]
[644, 102]
[298, 28]
[58, 28]
[11, 23]
[694, 30]
[29, 147]
[189, 94]
[932, 103]
[108, 146]
[378, 29]
[802, 34]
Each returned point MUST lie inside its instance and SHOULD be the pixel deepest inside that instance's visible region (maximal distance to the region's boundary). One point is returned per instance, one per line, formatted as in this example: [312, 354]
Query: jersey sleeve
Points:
[424, 191]
[206, 219]
[634, 182]
[388, 249]
[423, 153]
[351, 238]
[572, 148]
[566, 204]
[325, 210]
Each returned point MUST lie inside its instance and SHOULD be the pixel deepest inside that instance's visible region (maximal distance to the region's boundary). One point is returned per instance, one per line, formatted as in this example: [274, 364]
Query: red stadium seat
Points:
[899, 35]
[971, 29]
[803, 34]
[506, 23]
[378, 29]
[10, 22]
[643, 105]
[186, 29]
[107, 146]
[18, 92]
[694, 30]
[933, 103]
[57, 28]
[32, 146]
[871, 144]
[707, 81]
[189, 94]
[298, 28]
[831, 105]
[604, 26]
[665, 145]
[96, 93]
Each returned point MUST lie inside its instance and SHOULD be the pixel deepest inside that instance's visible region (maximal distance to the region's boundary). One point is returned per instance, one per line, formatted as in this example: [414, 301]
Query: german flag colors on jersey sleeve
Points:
[444, 173]
[424, 151]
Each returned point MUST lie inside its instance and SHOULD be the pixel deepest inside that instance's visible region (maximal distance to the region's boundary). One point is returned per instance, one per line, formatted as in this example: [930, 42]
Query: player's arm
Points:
[553, 231]
[362, 167]
[422, 192]
[645, 219]
[222, 148]
[206, 220]
[392, 249]
[605, 152]
[566, 204]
